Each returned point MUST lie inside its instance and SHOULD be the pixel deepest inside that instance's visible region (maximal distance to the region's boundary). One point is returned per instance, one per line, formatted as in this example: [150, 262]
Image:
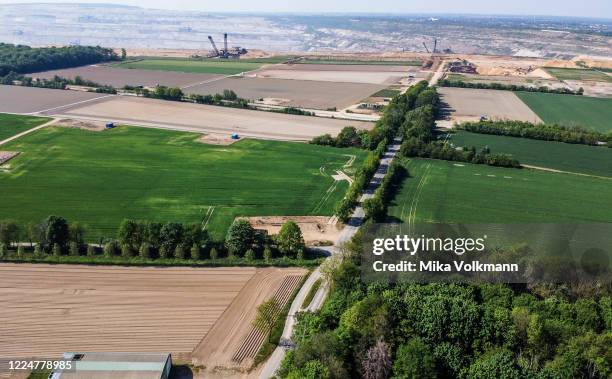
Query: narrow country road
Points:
[352, 226]
[437, 75]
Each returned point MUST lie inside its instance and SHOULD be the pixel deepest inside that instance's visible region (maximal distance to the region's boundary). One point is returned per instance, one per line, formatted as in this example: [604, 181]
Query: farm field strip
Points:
[350, 62]
[591, 112]
[470, 104]
[100, 178]
[578, 74]
[555, 155]
[222, 67]
[118, 77]
[209, 119]
[440, 191]
[299, 93]
[30, 100]
[50, 309]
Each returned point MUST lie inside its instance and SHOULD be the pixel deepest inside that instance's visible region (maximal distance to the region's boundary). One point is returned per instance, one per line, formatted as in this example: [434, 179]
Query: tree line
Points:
[449, 330]
[57, 82]
[55, 236]
[376, 207]
[508, 87]
[22, 59]
[546, 132]
[413, 147]
[386, 127]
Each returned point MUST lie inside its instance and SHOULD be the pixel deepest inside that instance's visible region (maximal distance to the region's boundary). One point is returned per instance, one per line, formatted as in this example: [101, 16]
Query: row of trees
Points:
[414, 147]
[24, 59]
[376, 207]
[349, 136]
[443, 330]
[389, 123]
[420, 139]
[508, 87]
[146, 239]
[546, 132]
[57, 82]
[49, 232]
[363, 176]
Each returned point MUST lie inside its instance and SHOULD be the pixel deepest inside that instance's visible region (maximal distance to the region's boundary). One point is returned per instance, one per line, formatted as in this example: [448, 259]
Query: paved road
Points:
[347, 233]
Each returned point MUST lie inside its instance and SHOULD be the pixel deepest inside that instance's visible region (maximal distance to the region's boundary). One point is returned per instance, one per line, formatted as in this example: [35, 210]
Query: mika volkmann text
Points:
[496, 253]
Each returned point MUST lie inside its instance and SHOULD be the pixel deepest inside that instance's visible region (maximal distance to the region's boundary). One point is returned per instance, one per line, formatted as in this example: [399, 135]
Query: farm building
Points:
[117, 366]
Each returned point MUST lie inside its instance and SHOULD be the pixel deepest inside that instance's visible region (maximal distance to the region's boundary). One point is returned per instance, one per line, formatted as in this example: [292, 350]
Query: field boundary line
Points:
[70, 105]
[564, 172]
[54, 120]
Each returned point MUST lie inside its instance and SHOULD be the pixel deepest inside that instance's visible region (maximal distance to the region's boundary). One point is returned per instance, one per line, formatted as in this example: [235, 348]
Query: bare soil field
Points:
[50, 309]
[595, 89]
[15, 99]
[298, 93]
[470, 104]
[93, 126]
[367, 77]
[119, 77]
[372, 74]
[314, 228]
[208, 119]
[232, 343]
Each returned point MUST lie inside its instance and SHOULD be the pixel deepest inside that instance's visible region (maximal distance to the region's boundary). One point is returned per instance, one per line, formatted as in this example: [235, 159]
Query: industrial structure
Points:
[107, 365]
[225, 53]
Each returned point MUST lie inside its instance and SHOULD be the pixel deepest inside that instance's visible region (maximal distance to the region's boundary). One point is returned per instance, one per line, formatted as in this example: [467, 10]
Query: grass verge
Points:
[311, 293]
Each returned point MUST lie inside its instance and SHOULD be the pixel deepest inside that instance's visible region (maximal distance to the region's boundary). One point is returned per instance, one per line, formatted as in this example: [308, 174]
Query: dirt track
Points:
[119, 77]
[211, 119]
[470, 104]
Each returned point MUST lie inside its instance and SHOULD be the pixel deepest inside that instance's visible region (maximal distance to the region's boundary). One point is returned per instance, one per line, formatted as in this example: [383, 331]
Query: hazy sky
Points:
[587, 8]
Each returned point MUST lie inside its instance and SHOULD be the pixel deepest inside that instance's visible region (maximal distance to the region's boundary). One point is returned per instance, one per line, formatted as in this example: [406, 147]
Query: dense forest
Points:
[24, 59]
[451, 331]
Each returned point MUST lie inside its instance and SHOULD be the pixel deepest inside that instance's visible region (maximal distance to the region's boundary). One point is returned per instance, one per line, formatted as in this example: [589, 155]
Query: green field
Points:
[99, 178]
[11, 125]
[591, 112]
[440, 191]
[387, 92]
[579, 74]
[361, 62]
[208, 66]
[556, 155]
